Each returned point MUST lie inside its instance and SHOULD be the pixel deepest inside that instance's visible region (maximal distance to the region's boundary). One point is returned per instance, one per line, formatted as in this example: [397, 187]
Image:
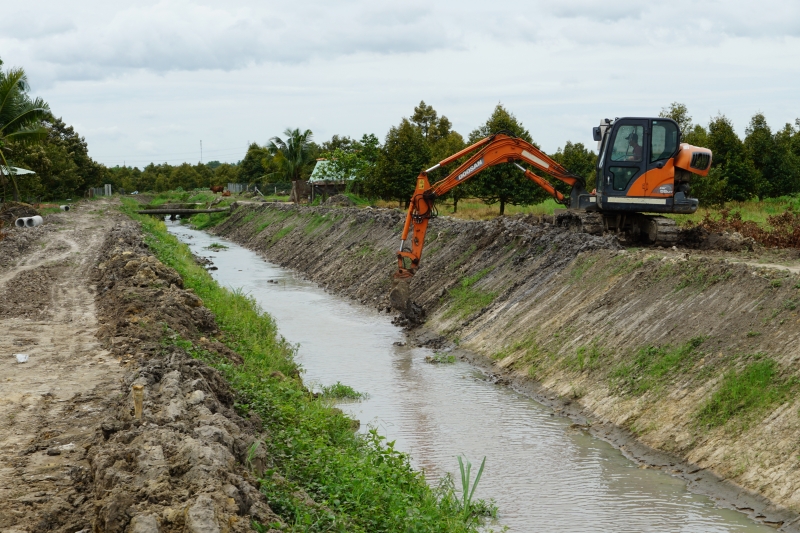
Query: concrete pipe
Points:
[64, 207]
[20, 223]
[31, 222]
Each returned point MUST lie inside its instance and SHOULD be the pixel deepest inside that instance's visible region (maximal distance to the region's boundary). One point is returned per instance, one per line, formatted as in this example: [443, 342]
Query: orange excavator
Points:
[642, 168]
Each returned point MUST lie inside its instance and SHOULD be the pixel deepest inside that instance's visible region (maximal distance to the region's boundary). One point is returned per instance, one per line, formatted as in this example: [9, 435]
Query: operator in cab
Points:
[633, 142]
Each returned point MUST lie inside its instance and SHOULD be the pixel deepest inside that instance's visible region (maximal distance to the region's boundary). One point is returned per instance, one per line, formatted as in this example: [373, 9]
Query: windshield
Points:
[627, 144]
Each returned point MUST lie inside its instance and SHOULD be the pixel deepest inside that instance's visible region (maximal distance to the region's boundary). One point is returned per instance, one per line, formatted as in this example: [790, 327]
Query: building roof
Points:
[20, 171]
[317, 173]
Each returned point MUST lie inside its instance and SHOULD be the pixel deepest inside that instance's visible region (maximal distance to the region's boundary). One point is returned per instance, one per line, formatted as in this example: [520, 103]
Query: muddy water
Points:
[544, 476]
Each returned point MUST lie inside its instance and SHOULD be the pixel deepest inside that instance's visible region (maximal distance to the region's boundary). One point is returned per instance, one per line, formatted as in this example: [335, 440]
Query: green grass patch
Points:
[466, 299]
[653, 365]
[207, 220]
[580, 266]
[440, 359]
[360, 482]
[216, 246]
[283, 232]
[340, 391]
[315, 222]
[746, 393]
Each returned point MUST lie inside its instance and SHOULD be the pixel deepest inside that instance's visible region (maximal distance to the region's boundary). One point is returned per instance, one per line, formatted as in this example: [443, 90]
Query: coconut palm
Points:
[20, 118]
[294, 155]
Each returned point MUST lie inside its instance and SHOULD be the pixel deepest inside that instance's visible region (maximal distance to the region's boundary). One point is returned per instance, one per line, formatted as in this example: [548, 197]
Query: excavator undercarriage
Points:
[631, 228]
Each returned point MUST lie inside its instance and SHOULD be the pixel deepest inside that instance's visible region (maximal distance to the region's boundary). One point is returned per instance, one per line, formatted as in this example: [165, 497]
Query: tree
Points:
[759, 147]
[252, 167]
[579, 160]
[723, 141]
[680, 114]
[20, 120]
[403, 156]
[294, 155]
[445, 146]
[782, 167]
[504, 183]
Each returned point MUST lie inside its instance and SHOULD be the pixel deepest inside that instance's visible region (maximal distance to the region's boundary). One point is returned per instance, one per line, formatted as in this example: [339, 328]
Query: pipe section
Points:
[20, 222]
[64, 207]
[31, 222]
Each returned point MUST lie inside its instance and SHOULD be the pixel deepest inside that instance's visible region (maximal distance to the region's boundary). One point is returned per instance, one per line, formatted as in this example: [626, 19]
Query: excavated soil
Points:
[560, 314]
[90, 306]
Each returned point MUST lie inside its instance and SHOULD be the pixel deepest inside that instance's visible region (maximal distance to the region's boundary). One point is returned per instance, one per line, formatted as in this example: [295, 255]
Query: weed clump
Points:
[440, 359]
[750, 391]
[468, 300]
[653, 365]
[340, 391]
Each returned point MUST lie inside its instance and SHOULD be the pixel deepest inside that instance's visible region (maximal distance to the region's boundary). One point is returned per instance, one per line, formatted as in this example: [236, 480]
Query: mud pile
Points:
[11, 211]
[187, 465]
[19, 241]
[585, 320]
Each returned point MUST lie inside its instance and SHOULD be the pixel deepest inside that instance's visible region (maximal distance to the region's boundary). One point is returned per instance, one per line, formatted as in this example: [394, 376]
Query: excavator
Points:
[642, 167]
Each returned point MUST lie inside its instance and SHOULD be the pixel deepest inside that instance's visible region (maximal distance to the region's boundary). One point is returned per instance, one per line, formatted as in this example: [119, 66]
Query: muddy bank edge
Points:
[686, 361]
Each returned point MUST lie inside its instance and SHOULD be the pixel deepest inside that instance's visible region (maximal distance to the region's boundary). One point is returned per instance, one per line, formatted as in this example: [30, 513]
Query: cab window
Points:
[622, 176]
[663, 141]
[628, 143]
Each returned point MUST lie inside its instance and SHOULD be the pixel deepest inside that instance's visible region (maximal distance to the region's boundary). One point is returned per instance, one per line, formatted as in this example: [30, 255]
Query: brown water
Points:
[544, 476]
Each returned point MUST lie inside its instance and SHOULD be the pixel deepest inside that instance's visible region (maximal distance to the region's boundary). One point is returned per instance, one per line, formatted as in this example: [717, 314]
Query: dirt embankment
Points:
[642, 340]
[89, 304]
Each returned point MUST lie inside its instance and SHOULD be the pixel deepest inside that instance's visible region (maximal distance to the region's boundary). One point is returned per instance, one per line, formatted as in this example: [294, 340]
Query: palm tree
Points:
[294, 154]
[20, 118]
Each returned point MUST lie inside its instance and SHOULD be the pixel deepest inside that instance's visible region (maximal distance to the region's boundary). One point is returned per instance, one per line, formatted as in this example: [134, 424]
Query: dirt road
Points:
[51, 405]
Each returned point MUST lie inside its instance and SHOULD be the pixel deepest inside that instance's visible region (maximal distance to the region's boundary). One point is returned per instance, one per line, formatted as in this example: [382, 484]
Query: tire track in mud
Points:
[72, 457]
[51, 405]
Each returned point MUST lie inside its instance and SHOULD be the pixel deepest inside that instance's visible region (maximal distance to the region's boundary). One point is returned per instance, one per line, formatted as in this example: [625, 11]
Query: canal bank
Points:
[546, 473]
[310, 467]
[645, 341]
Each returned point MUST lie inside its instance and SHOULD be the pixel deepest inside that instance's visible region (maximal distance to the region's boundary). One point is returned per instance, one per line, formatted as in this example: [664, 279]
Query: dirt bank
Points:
[88, 303]
[646, 344]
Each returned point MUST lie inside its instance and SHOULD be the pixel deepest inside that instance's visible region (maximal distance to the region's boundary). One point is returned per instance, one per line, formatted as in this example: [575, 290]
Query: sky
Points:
[149, 80]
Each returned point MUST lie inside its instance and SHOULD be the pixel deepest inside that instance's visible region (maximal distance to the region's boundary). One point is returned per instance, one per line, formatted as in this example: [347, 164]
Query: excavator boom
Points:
[493, 150]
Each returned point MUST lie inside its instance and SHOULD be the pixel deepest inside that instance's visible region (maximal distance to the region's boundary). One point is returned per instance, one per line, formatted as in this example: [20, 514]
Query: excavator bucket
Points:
[400, 294]
[400, 299]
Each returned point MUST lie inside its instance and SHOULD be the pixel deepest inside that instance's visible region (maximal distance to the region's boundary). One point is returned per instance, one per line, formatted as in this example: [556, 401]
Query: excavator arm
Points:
[493, 150]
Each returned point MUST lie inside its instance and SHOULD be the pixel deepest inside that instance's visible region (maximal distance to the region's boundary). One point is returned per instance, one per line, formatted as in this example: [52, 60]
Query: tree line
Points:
[765, 163]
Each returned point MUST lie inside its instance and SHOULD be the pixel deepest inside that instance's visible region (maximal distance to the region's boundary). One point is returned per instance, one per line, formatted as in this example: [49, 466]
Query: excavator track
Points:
[660, 231]
[653, 230]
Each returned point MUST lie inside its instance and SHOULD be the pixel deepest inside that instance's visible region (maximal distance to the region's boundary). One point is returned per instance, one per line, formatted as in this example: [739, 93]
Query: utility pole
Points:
[201, 151]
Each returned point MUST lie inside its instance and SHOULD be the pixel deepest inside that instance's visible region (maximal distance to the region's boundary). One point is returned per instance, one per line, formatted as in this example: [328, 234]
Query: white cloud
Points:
[151, 78]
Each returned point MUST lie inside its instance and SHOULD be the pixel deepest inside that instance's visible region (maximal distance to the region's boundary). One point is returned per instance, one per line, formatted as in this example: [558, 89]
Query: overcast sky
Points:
[146, 81]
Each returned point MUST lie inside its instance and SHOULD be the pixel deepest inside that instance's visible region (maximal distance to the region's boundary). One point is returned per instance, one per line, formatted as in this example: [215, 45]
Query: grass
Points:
[281, 233]
[653, 365]
[360, 482]
[743, 394]
[440, 359]
[754, 210]
[216, 246]
[466, 300]
[340, 391]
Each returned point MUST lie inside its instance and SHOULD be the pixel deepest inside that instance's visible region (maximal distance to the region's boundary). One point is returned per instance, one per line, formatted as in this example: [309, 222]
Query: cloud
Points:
[97, 39]
[178, 35]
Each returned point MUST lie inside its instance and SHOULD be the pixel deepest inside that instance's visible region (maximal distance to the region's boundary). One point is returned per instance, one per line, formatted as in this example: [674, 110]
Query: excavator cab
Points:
[638, 167]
